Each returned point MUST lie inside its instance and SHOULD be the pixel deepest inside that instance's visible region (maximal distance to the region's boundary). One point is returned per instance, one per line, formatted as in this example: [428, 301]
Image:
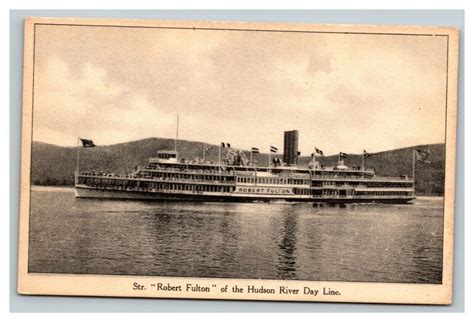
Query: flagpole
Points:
[204, 154]
[251, 156]
[269, 157]
[177, 132]
[413, 171]
[363, 161]
[77, 158]
[220, 156]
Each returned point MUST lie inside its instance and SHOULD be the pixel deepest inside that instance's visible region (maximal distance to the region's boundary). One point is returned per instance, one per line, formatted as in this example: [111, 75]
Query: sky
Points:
[342, 92]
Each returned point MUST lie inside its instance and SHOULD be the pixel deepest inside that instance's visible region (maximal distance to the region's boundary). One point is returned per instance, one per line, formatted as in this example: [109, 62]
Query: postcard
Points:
[239, 161]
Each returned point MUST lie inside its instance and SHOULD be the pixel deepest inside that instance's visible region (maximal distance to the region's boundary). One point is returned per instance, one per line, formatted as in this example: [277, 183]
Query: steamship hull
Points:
[103, 193]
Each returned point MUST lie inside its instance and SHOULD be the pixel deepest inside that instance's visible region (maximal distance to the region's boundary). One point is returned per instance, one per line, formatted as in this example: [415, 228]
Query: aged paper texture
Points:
[232, 160]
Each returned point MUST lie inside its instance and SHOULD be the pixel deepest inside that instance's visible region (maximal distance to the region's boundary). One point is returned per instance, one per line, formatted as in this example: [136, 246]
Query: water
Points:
[376, 243]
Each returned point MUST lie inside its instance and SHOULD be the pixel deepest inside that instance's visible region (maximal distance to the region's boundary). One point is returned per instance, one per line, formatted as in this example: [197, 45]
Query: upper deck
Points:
[166, 165]
[157, 165]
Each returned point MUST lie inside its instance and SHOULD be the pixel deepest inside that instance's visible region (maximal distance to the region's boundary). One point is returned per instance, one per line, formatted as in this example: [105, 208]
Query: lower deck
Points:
[264, 195]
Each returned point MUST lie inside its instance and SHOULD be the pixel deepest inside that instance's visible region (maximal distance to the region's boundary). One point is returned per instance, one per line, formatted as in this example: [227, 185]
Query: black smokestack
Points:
[290, 147]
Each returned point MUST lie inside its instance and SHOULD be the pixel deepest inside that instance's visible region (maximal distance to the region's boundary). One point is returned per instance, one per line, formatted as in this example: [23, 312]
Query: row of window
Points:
[335, 183]
[259, 180]
[186, 176]
[389, 184]
[339, 173]
[365, 184]
[187, 170]
[319, 193]
[188, 187]
[145, 185]
[383, 193]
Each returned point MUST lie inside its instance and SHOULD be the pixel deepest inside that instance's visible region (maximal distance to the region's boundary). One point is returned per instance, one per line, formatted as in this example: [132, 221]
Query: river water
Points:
[360, 243]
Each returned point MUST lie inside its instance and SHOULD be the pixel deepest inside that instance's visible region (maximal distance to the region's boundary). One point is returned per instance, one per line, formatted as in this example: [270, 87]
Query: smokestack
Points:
[290, 147]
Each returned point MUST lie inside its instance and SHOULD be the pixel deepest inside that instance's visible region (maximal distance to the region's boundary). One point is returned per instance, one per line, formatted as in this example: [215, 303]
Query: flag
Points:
[87, 143]
[273, 149]
[228, 145]
[255, 150]
[299, 153]
[342, 154]
[318, 151]
[423, 156]
[367, 154]
[223, 144]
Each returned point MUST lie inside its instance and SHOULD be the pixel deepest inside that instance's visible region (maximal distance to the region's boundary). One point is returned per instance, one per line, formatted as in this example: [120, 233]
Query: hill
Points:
[55, 165]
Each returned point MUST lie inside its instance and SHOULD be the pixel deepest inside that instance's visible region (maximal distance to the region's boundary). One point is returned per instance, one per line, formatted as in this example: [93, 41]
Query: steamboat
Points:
[236, 179]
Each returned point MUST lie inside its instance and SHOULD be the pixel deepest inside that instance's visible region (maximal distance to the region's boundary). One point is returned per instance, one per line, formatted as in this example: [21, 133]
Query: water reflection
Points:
[287, 248]
[378, 243]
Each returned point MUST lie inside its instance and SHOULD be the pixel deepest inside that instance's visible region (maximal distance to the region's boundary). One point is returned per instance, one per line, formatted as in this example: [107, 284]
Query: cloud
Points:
[91, 104]
[340, 91]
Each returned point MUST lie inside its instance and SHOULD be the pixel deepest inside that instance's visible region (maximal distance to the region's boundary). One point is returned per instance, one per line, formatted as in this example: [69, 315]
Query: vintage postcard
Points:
[233, 160]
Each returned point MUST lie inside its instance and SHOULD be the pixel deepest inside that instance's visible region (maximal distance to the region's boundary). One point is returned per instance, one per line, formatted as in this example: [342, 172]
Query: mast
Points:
[77, 157]
[177, 132]
[413, 170]
[363, 160]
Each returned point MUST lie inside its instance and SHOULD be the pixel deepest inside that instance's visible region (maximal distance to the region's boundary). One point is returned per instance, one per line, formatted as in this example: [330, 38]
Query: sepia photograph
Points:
[232, 160]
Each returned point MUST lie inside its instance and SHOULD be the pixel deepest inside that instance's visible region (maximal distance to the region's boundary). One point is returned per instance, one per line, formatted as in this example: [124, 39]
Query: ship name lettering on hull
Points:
[263, 190]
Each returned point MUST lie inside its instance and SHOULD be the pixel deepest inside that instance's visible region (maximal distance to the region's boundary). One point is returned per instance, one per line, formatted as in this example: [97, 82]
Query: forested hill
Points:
[55, 165]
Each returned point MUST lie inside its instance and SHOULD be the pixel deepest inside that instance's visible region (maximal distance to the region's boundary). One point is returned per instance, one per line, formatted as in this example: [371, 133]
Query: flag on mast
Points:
[318, 151]
[423, 156]
[273, 149]
[86, 143]
[342, 154]
[255, 150]
[367, 154]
